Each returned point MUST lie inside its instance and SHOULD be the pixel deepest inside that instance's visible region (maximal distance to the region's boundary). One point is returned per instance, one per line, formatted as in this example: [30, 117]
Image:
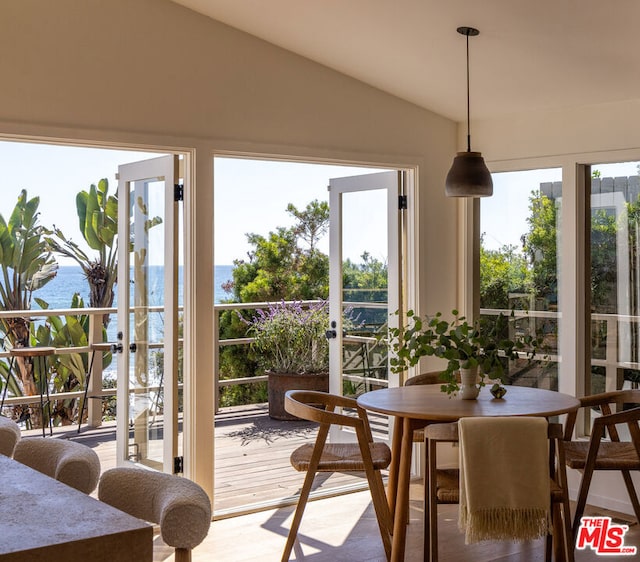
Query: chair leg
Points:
[183, 555]
[632, 493]
[581, 502]
[431, 506]
[381, 507]
[297, 518]
[548, 543]
[426, 508]
[556, 540]
[567, 534]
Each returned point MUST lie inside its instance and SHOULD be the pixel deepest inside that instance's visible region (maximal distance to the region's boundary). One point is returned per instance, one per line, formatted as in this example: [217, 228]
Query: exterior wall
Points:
[150, 73]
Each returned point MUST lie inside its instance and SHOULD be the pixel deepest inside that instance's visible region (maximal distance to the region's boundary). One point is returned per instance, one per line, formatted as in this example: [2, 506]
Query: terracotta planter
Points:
[279, 383]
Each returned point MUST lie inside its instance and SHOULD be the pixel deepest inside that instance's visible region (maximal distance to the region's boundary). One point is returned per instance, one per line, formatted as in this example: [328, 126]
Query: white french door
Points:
[147, 408]
[364, 236]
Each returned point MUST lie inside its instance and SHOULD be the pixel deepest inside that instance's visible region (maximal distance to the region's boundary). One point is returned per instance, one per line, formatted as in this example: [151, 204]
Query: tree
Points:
[540, 246]
[502, 272]
[98, 221]
[313, 222]
[26, 264]
[279, 268]
[284, 265]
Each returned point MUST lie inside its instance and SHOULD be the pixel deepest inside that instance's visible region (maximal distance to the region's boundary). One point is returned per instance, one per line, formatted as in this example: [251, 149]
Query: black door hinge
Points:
[178, 192]
[178, 465]
[402, 202]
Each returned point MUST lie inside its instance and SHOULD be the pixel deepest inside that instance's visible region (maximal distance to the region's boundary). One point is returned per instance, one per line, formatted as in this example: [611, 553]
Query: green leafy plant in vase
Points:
[472, 353]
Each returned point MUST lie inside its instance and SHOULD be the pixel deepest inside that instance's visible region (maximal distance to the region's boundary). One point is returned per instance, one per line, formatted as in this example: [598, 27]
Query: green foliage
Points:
[463, 345]
[68, 371]
[277, 270]
[26, 264]
[540, 245]
[25, 260]
[313, 222]
[371, 273]
[98, 223]
[290, 338]
[279, 267]
[502, 272]
[604, 257]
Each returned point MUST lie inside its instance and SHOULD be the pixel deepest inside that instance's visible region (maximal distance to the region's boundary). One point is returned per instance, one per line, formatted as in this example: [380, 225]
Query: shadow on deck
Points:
[252, 469]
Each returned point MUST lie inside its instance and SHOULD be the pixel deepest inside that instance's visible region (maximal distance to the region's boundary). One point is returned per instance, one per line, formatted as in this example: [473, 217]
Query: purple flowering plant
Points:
[289, 337]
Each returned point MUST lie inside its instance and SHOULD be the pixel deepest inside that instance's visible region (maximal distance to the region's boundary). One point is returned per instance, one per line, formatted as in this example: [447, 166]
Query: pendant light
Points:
[469, 175]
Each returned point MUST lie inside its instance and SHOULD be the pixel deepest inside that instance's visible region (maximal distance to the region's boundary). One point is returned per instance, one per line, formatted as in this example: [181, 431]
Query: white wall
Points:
[154, 74]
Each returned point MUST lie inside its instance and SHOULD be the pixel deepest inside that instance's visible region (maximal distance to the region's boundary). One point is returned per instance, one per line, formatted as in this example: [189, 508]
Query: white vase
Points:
[469, 388]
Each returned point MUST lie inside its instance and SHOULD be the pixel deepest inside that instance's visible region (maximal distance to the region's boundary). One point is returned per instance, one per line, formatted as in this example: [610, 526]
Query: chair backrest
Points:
[73, 464]
[9, 436]
[448, 433]
[321, 407]
[430, 377]
[610, 403]
[180, 506]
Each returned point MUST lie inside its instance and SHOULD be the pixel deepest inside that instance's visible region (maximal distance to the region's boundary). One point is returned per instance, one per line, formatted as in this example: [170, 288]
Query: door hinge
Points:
[402, 202]
[178, 192]
[178, 465]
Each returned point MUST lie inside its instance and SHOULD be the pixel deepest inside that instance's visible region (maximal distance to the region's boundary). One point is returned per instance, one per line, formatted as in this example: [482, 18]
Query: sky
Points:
[251, 195]
[503, 217]
[56, 174]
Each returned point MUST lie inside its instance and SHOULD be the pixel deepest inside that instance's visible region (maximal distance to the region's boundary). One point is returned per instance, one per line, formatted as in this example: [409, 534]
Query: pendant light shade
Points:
[469, 175]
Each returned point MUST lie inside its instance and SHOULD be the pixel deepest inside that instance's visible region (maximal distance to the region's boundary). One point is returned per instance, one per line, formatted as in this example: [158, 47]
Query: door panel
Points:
[148, 313]
[364, 281]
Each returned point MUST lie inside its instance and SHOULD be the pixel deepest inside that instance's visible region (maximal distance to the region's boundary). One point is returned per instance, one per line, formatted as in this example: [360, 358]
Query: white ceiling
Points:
[530, 54]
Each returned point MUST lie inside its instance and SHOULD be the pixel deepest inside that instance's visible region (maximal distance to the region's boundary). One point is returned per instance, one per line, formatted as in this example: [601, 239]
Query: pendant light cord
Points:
[468, 104]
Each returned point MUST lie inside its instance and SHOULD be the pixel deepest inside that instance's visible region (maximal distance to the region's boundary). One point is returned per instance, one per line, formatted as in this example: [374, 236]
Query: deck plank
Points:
[252, 452]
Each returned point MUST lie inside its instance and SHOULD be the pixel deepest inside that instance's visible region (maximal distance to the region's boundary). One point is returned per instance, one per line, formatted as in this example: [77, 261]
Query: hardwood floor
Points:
[344, 529]
[252, 463]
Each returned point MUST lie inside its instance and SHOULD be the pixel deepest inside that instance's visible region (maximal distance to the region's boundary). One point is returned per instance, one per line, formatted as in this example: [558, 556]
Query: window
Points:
[519, 266]
[615, 277]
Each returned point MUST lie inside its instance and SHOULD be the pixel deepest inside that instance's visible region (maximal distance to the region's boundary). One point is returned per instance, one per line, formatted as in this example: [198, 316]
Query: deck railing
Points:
[613, 354]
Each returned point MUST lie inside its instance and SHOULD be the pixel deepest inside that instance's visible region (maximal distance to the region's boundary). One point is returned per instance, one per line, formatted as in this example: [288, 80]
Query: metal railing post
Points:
[94, 407]
[216, 360]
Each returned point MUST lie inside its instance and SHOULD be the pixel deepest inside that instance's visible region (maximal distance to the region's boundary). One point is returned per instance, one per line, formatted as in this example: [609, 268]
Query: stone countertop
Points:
[43, 519]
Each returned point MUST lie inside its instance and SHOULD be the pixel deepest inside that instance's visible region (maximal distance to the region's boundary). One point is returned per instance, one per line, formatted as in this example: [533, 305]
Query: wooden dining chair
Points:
[609, 454]
[365, 455]
[443, 487]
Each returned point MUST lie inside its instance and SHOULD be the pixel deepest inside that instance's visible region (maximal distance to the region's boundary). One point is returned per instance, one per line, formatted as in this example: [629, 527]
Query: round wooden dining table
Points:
[416, 406]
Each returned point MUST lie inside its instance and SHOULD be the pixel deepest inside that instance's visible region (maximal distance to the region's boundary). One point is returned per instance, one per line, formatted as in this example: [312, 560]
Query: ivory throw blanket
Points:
[504, 478]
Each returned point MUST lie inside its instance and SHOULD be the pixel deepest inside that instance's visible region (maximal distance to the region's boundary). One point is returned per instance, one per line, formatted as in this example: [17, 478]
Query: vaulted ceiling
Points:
[530, 54]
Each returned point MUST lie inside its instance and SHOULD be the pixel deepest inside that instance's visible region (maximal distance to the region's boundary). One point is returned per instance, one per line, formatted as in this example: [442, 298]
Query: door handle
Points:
[133, 347]
[116, 348]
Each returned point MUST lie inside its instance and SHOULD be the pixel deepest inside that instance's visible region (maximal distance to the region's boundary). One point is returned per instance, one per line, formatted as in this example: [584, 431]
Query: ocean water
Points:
[70, 280]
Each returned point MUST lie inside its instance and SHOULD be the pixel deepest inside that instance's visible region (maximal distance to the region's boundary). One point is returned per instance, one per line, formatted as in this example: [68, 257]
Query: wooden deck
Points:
[252, 460]
[252, 469]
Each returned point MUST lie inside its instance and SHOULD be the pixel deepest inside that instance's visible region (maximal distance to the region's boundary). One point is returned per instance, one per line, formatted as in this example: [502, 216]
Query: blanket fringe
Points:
[504, 524]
